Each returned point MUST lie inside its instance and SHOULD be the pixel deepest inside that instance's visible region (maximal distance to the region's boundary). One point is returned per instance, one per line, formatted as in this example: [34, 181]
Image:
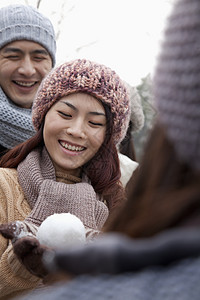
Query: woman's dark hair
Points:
[126, 146]
[165, 192]
[13, 157]
[104, 168]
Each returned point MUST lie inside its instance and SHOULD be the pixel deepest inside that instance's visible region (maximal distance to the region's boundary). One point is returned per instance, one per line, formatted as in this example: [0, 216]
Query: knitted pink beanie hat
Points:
[82, 75]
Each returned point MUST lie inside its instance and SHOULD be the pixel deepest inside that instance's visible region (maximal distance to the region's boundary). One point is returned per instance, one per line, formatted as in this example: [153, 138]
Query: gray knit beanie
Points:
[23, 22]
[177, 81]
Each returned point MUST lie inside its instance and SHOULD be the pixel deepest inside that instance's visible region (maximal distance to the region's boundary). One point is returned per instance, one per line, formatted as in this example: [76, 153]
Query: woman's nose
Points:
[77, 129]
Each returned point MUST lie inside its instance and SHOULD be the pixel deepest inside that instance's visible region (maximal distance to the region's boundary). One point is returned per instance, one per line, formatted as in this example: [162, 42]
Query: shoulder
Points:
[9, 173]
[12, 200]
[127, 167]
[9, 179]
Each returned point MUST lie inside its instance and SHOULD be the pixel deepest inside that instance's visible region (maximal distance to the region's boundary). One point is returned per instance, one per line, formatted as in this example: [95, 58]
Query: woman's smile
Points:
[72, 147]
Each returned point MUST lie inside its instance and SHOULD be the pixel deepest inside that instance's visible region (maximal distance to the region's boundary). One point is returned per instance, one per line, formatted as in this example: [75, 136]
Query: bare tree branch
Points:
[85, 46]
[38, 4]
[62, 16]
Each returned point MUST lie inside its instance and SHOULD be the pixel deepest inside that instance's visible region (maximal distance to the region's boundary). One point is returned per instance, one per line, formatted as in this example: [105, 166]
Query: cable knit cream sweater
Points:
[13, 206]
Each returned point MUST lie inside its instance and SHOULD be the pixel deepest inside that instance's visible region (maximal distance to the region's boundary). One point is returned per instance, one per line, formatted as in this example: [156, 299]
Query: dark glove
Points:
[26, 247]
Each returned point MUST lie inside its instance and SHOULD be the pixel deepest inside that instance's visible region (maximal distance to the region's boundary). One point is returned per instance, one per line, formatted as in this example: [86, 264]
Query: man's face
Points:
[23, 64]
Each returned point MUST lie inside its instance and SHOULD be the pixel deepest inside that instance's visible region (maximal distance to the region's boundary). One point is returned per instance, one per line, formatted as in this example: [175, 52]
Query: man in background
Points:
[27, 54]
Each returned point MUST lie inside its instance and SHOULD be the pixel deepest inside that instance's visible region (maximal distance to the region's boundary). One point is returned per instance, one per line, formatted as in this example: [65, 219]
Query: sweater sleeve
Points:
[14, 277]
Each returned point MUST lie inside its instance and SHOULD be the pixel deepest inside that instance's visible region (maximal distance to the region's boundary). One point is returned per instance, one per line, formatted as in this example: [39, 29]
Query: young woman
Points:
[80, 114]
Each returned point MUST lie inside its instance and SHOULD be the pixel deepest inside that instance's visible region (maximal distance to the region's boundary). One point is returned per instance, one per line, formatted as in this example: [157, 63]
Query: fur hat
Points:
[23, 22]
[137, 114]
[177, 81]
[82, 75]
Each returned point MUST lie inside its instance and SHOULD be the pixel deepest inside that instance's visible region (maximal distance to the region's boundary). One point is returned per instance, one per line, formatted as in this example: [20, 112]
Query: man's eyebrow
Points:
[18, 50]
[40, 51]
[11, 49]
[96, 113]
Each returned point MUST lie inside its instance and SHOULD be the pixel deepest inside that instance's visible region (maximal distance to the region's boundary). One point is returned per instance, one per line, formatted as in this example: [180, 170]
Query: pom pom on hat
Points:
[82, 75]
[23, 22]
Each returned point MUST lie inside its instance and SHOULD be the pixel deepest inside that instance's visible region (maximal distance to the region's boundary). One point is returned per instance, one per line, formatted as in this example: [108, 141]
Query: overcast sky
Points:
[123, 34]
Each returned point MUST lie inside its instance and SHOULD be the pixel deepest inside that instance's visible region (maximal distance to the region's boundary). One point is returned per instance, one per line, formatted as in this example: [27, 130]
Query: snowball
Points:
[61, 231]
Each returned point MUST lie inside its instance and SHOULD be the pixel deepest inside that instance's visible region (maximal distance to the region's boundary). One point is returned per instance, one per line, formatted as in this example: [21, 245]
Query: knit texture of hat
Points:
[23, 22]
[177, 81]
[85, 76]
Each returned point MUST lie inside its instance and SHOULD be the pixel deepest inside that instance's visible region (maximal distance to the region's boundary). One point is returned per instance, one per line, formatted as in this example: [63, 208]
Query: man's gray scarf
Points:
[15, 123]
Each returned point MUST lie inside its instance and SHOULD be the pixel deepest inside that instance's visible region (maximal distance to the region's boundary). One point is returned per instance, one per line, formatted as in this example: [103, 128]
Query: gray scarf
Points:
[15, 123]
[46, 196]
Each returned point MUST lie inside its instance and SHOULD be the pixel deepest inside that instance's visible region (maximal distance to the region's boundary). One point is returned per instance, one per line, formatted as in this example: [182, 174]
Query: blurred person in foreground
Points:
[151, 249]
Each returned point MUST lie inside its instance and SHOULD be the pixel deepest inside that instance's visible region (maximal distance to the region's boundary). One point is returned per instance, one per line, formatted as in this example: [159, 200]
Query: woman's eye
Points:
[96, 123]
[64, 114]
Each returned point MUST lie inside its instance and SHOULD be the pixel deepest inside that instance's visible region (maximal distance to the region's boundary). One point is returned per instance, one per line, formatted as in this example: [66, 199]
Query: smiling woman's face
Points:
[74, 130]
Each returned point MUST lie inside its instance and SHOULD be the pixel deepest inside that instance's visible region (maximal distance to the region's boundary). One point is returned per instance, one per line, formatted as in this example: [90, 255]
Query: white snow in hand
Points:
[61, 231]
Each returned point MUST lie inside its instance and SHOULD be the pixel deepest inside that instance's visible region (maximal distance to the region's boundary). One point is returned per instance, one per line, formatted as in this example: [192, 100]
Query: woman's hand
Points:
[26, 246]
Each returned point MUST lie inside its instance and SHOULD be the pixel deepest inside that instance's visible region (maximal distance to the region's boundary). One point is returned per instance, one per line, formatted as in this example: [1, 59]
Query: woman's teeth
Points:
[26, 84]
[72, 148]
